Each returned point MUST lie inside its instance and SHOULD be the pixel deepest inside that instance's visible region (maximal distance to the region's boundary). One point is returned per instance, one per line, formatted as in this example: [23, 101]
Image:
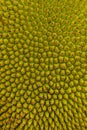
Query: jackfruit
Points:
[43, 65]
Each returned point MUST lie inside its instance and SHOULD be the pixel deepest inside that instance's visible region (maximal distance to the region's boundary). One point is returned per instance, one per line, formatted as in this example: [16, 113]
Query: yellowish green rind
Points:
[43, 65]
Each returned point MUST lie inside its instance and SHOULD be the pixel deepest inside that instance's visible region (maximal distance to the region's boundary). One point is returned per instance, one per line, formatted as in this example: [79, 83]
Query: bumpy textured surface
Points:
[43, 65]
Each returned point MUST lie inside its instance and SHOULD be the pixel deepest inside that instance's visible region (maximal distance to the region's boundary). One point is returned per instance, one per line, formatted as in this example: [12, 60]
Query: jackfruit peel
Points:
[43, 65]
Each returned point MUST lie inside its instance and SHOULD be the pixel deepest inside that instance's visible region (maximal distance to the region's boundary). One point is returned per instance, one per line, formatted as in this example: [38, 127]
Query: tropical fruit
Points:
[43, 65]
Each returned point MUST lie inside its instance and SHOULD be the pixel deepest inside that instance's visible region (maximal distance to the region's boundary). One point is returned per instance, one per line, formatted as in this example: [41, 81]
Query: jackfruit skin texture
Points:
[43, 65]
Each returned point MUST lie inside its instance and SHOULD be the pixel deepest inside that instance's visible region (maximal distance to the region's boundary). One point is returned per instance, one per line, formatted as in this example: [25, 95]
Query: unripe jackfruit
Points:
[43, 65]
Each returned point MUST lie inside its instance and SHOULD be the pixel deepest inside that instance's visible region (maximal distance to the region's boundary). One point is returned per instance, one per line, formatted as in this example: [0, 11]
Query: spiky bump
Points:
[43, 60]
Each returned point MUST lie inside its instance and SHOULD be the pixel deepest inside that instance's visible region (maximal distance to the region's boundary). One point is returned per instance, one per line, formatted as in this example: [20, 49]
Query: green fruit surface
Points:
[43, 64]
